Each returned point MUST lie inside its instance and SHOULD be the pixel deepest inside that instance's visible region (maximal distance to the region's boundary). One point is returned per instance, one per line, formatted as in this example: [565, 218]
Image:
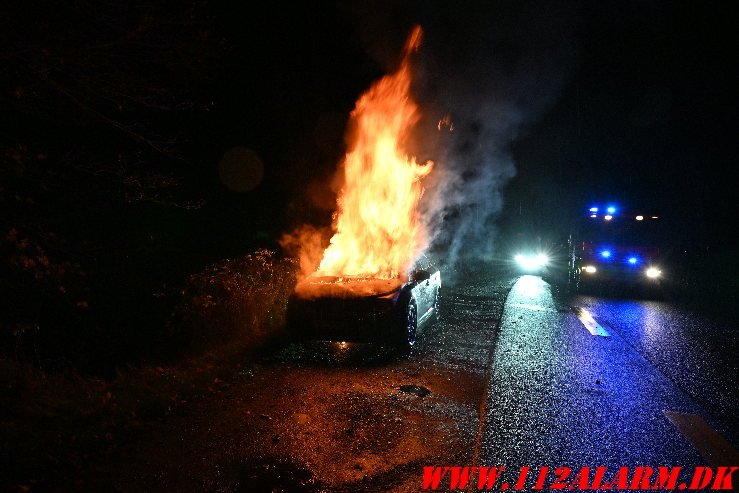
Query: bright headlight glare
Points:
[590, 269]
[531, 262]
[653, 272]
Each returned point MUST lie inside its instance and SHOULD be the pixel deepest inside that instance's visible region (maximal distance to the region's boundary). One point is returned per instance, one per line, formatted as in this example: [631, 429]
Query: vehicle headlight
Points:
[531, 262]
[653, 272]
[590, 269]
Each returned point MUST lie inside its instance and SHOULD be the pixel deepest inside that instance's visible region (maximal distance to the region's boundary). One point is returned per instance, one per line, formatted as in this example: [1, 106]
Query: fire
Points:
[377, 226]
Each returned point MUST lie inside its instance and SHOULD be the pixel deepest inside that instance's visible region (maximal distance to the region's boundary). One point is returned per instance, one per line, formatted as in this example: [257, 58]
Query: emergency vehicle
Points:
[612, 248]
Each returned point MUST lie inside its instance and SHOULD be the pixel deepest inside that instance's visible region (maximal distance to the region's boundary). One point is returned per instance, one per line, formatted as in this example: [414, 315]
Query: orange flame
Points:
[377, 228]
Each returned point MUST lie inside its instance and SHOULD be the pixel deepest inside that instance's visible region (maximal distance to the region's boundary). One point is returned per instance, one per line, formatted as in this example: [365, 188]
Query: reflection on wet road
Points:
[589, 322]
[699, 355]
[582, 381]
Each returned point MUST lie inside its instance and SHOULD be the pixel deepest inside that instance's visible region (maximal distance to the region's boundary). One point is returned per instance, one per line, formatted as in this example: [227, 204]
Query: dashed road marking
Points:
[529, 306]
[589, 322]
[714, 448]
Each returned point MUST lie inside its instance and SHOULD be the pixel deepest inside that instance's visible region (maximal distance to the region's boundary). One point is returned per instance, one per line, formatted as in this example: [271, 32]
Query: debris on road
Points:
[415, 389]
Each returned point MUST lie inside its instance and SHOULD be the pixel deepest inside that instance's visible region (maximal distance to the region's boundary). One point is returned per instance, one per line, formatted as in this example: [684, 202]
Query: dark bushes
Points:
[241, 301]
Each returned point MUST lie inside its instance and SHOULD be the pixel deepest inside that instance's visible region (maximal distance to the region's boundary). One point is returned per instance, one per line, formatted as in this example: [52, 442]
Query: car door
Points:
[422, 292]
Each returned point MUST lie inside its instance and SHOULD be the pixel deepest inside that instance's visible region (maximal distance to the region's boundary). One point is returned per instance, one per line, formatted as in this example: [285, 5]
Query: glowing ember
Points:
[377, 227]
[445, 124]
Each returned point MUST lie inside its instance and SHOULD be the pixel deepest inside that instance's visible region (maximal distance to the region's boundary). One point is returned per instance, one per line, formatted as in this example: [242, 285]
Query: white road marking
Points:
[714, 448]
[589, 322]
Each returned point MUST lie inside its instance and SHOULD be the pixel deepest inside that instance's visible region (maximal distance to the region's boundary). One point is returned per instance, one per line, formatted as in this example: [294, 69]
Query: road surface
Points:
[587, 381]
[517, 373]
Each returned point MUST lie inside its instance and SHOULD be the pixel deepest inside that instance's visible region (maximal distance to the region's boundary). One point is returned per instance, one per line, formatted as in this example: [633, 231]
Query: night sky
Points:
[625, 102]
[557, 105]
[648, 117]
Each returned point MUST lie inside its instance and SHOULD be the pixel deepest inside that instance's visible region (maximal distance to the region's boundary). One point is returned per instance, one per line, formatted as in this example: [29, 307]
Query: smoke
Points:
[485, 76]
[307, 244]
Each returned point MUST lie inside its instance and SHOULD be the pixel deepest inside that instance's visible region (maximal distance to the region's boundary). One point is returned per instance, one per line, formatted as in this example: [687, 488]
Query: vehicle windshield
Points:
[624, 230]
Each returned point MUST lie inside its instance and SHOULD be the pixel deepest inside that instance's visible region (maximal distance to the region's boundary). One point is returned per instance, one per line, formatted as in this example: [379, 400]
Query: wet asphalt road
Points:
[511, 376]
[592, 381]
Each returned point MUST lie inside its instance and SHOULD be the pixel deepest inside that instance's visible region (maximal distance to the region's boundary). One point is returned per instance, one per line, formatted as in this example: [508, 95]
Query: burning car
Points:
[365, 285]
[352, 309]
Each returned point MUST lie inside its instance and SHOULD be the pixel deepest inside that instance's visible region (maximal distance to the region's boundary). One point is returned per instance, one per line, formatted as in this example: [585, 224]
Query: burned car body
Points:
[351, 309]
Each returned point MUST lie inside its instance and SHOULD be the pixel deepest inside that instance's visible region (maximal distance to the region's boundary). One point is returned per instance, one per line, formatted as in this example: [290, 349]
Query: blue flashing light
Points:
[633, 260]
[593, 209]
[605, 253]
[611, 210]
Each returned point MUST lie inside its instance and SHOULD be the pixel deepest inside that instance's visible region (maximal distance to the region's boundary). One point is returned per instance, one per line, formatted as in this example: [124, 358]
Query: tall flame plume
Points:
[378, 232]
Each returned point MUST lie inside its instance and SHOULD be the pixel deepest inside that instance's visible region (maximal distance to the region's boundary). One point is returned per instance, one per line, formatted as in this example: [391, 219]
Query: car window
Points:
[424, 263]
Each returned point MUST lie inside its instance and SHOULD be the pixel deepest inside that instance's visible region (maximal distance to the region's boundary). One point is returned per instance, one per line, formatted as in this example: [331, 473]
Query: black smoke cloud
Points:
[492, 69]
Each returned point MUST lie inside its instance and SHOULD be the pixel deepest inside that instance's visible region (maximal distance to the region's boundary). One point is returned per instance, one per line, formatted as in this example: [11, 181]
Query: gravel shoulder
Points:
[329, 416]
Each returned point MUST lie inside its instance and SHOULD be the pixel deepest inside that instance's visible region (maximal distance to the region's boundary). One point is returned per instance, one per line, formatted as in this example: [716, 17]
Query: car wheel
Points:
[407, 335]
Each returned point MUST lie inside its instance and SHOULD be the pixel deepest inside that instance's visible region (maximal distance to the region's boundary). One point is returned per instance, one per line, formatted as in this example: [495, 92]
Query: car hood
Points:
[346, 287]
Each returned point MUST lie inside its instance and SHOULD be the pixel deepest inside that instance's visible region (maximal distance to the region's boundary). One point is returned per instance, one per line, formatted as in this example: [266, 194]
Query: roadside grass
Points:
[242, 300]
[53, 423]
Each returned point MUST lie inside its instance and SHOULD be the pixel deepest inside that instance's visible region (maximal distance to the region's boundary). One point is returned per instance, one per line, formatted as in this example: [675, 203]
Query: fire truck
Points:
[610, 248]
